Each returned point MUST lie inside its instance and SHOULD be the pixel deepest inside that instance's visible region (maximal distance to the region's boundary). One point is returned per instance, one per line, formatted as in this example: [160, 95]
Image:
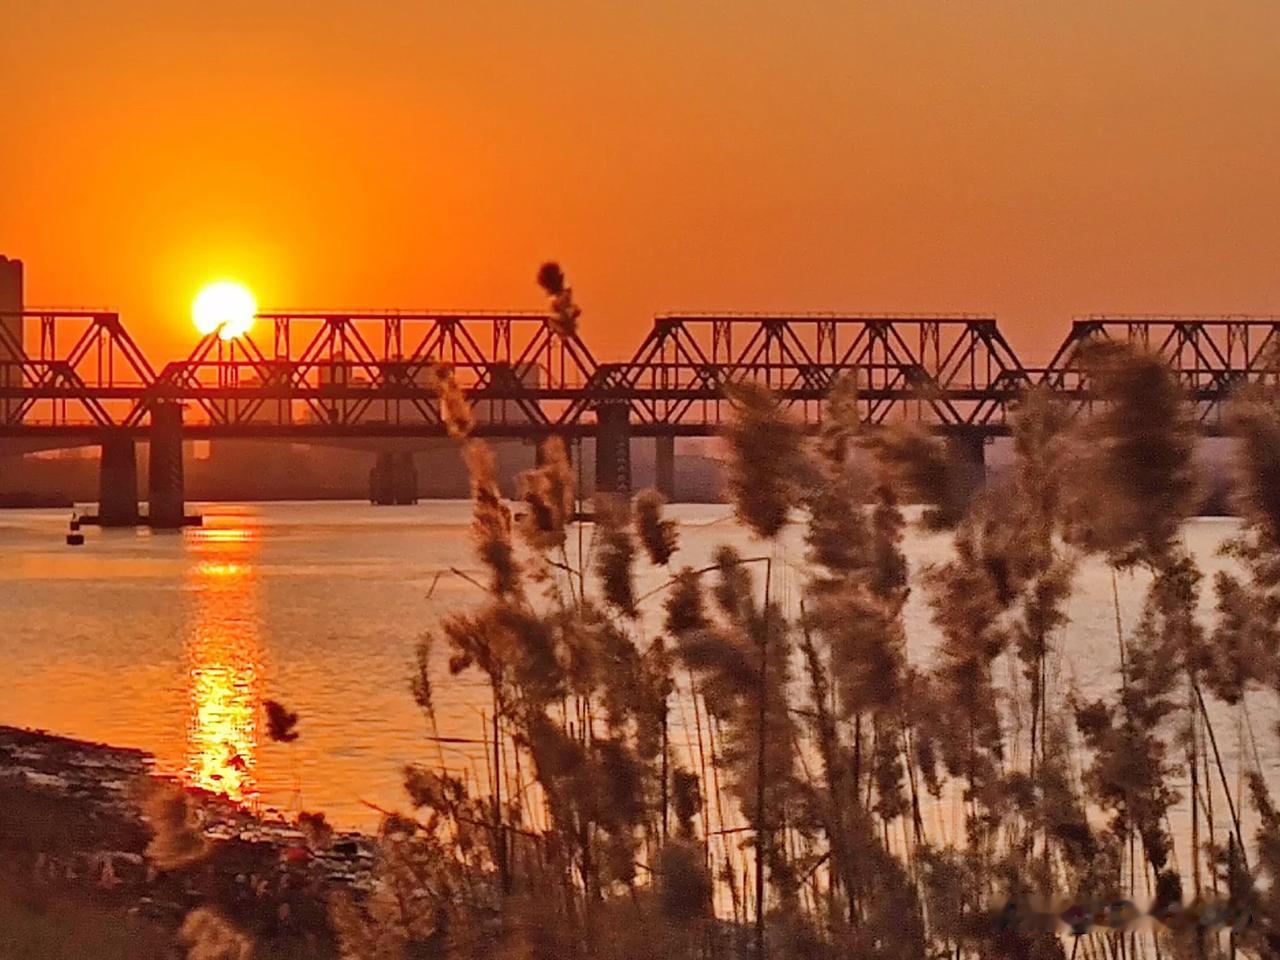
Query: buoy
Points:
[75, 539]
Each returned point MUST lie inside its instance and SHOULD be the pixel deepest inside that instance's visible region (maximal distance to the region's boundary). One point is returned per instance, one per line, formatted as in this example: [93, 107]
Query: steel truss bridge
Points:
[71, 377]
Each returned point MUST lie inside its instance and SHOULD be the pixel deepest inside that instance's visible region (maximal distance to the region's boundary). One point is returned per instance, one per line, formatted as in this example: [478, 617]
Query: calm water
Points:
[170, 642]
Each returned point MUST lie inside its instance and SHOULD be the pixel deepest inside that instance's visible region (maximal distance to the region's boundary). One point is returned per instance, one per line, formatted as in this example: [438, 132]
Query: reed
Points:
[802, 815]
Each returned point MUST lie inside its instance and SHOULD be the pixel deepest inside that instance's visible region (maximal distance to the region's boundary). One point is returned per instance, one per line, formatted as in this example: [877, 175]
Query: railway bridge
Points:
[78, 377]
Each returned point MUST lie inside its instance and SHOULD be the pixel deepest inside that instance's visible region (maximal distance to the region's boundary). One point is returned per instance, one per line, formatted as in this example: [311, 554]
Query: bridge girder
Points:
[354, 374]
[1213, 356]
[948, 370]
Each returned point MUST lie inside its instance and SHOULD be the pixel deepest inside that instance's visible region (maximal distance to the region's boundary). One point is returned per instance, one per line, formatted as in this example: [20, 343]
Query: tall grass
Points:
[760, 778]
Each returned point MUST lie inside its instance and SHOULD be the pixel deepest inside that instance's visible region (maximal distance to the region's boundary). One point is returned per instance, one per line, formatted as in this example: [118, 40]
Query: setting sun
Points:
[226, 308]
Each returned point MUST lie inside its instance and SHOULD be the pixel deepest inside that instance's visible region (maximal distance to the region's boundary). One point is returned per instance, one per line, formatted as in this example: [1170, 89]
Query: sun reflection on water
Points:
[224, 661]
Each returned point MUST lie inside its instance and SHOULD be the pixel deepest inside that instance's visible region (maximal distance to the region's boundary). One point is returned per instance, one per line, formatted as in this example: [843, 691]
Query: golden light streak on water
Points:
[219, 535]
[224, 663]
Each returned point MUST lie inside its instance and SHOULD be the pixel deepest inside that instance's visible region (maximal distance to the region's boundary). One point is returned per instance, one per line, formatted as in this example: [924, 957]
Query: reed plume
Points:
[888, 564]
[615, 552]
[455, 410]
[281, 722]
[967, 597]
[917, 463]
[659, 536]
[177, 841]
[743, 666]
[209, 936]
[420, 681]
[1130, 772]
[827, 754]
[1255, 907]
[491, 520]
[686, 801]
[686, 606]
[837, 533]
[1246, 638]
[1134, 481]
[563, 319]
[1255, 423]
[841, 422]
[1042, 446]
[765, 449]
[549, 491]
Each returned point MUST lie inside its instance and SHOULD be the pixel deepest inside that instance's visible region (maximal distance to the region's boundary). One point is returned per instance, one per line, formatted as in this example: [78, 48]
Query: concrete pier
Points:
[613, 448]
[393, 480]
[967, 467]
[166, 498]
[664, 465]
[118, 483]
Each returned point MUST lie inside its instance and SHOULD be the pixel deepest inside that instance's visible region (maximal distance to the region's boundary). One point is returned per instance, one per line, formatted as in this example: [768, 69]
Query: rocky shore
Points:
[72, 825]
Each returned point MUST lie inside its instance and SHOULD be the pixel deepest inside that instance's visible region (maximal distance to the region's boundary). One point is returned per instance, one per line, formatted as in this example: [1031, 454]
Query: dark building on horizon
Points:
[11, 305]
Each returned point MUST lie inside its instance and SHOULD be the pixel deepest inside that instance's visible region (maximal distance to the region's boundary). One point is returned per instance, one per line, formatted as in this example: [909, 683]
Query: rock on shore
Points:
[70, 819]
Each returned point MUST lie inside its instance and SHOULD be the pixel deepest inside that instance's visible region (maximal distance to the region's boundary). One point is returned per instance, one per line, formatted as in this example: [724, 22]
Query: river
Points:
[170, 641]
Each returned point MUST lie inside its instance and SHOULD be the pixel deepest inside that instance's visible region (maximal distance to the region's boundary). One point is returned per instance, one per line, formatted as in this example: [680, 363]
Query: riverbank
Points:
[76, 880]
[29, 500]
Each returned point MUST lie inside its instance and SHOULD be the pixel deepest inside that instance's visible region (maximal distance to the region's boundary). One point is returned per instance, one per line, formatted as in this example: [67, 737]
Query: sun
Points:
[226, 308]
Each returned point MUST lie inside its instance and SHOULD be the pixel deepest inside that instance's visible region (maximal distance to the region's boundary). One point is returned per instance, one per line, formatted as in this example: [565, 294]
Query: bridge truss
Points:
[376, 372]
[68, 368]
[950, 371]
[372, 374]
[1213, 356]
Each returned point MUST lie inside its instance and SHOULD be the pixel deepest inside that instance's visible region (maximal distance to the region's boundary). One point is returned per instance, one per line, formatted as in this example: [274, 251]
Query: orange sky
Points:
[1032, 158]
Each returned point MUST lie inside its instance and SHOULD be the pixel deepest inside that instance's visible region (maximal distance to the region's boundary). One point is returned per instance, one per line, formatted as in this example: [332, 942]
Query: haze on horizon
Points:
[1036, 160]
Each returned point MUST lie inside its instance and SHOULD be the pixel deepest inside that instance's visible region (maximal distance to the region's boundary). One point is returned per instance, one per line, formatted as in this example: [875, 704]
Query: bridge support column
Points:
[166, 496]
[613, 448]
[393, 479]
[968, 470]
[118, 483]
[664, 465]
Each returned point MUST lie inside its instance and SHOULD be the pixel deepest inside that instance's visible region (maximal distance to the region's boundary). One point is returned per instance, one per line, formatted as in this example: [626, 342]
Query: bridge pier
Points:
[393, 480]
[664, 465]
[166, 498]
[613, 448]
[968, 470]
[118, 483]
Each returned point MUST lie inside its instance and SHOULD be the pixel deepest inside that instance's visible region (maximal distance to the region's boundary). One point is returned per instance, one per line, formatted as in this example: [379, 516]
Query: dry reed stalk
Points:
[659, 536]
[610, 859]
[1134, 481]
[615, 558]
[491, 521]
[177, 841]
[765, 454]
[549, 491]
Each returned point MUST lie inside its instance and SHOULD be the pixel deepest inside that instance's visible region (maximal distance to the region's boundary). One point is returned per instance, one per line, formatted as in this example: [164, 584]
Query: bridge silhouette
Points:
[77, 377]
